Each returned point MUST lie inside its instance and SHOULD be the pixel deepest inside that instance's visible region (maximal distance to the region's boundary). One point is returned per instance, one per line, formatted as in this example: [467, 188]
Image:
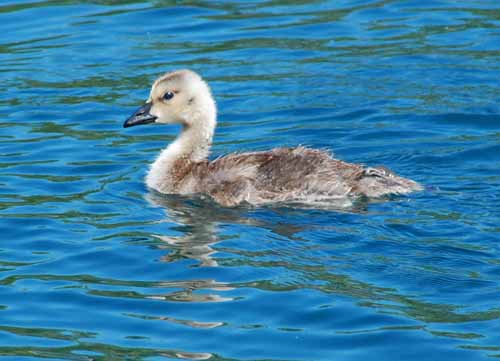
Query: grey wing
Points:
[230, 180]
[303, 172]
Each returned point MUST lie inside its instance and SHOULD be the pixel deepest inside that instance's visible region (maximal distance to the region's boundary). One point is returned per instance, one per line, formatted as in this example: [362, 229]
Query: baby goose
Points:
[279, 175]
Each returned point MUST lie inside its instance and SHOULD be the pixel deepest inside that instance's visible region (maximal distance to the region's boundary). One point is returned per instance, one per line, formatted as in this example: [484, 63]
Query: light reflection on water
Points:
[95, 267]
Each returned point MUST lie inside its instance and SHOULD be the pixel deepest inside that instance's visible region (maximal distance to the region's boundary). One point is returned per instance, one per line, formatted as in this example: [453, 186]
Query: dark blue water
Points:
[95, 267]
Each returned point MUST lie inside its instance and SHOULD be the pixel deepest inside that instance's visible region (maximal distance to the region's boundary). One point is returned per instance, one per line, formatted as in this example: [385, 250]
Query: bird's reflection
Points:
[198, 221]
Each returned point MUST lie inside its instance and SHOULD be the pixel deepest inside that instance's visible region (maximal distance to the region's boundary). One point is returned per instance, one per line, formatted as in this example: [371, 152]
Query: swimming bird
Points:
[299, 174]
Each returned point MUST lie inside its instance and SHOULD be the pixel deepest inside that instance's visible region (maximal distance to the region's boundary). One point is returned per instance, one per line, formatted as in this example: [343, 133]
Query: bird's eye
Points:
[168, 95]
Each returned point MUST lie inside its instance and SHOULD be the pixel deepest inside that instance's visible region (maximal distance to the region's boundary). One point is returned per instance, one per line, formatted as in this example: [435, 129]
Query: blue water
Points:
[95, 267]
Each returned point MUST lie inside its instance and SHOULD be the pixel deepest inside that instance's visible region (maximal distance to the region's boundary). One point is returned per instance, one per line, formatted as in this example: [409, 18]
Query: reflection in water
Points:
[195, 324]
[197, 220]
[198, 232]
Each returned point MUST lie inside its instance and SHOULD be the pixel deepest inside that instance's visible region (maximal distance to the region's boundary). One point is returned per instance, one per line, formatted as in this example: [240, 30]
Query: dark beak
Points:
[140, 116]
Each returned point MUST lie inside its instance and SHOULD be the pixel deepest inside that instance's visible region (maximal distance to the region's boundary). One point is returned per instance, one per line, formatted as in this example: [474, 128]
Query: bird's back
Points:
[286, 175]
[279, 175]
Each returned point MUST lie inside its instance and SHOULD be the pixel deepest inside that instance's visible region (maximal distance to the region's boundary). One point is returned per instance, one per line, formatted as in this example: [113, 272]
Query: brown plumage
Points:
[278, 175]
[283, 175]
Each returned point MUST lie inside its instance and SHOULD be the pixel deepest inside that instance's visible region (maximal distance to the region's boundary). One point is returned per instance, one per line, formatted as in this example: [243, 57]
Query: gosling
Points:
[291, 175]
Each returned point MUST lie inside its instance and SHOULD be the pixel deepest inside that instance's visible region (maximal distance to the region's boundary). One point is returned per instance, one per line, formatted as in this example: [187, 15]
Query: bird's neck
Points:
[192, 145]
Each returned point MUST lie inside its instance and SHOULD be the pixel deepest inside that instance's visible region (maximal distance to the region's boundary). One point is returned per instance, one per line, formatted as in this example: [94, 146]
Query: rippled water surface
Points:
[93, 266]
